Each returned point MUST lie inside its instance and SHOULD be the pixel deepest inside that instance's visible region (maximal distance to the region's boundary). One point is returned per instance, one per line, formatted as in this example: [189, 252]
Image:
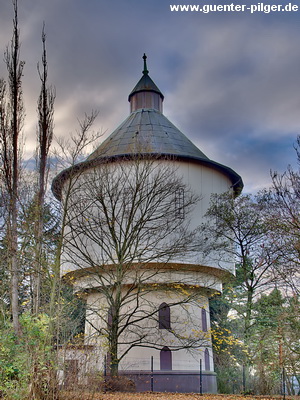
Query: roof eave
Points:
[59, 180]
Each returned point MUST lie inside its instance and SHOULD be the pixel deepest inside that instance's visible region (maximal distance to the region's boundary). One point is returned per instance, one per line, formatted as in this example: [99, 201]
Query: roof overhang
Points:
[63, 176]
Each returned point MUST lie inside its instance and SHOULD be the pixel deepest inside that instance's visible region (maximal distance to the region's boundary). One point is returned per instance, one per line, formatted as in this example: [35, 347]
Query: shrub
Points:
[27, 367]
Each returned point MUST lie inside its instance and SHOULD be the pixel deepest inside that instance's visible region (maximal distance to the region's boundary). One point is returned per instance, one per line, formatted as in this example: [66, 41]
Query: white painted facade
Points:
[185, 318]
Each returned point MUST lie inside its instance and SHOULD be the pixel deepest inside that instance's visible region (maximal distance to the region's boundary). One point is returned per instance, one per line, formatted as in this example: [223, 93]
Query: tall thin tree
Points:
[44, 135]
[12, 112]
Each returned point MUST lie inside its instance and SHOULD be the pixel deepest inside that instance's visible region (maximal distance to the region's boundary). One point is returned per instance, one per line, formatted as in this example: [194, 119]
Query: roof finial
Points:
[145, 72]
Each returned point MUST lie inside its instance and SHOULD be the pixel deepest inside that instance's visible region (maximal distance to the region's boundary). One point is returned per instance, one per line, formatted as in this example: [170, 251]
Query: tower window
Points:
[204, 320]
[179, 203]
[164, 317]
[166, 359]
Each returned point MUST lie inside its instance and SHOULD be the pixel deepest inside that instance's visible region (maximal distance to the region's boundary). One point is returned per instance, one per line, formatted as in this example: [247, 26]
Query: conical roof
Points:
[146, 132]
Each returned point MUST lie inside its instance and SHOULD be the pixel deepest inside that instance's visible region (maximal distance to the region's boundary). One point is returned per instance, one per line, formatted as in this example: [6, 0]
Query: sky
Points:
[231, 80]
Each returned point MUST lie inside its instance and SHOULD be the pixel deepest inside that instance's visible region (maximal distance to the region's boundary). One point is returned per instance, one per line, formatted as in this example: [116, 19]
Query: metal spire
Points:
[145, 72]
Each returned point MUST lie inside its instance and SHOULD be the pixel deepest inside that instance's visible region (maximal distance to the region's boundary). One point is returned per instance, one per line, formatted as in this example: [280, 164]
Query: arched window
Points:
[164, 320]
[166, 359]
[204, 320]
[206, 360]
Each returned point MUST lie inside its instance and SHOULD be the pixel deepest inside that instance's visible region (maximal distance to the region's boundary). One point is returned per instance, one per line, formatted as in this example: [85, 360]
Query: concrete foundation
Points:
[173, 381]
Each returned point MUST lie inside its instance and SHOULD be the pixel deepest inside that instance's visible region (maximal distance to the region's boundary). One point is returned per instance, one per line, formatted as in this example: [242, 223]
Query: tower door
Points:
[206, 360]
[166, 359]
[71, 372]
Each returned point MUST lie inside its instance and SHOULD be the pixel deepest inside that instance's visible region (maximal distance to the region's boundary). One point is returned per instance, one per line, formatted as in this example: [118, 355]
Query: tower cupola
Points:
[145, 94]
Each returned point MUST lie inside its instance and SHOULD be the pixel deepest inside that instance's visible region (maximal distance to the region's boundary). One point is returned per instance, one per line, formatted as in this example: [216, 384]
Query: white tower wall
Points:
[148, 133]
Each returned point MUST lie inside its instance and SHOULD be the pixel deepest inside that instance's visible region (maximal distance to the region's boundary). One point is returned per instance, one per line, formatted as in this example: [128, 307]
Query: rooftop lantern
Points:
[145, 94]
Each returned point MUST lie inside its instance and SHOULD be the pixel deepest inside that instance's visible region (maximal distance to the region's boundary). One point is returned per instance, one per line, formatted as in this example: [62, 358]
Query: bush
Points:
[27, 369]
[98, 382]
[118, 384]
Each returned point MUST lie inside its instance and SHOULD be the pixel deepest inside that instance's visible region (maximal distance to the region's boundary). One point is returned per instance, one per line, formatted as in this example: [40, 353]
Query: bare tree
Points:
[128, 228]
[67, 153]
[241, 231]
[284, 222]
[12, 117]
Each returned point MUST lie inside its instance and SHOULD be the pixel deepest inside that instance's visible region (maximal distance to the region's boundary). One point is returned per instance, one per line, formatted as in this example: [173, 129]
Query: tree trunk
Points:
[114, 362]
[15, 71]
[14, 269]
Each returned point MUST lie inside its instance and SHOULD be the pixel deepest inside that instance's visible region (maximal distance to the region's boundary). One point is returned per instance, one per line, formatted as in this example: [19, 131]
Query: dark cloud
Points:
[230, 80]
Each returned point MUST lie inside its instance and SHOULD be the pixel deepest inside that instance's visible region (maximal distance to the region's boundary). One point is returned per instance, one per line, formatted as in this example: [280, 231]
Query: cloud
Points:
[230, 80]
[238, 98]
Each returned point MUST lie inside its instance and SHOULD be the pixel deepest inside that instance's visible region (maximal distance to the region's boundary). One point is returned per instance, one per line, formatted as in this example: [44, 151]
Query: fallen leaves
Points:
[164, 396]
